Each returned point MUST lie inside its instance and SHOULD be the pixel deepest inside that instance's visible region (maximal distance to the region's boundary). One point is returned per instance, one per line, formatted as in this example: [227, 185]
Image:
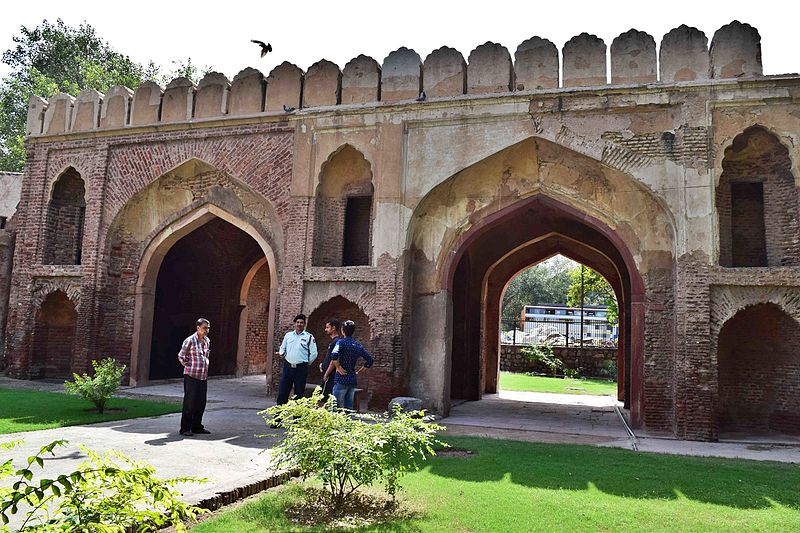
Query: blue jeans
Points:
[344, 394]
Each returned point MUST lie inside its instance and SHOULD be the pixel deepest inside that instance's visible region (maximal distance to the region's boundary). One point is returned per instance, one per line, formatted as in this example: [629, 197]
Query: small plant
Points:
[543, 353]
[609, 370]
[572, 373]
[347, 452]
[100, 388]
[108, 493]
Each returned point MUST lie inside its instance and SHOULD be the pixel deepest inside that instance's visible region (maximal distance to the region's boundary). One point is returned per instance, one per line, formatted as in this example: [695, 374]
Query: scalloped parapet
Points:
[247, 93]
[633, 58]
[36, 110]
[444, 73]
[684, 55]
[401, 76]
[361, 81]
[211, 99]
[177, 102]
[584, 61]
[489, 69]
[86, 111]
[736, 51]
[146, 106]
[116, 107]
[284, 85]
[58, 117]
[322, 84]
[536, 65]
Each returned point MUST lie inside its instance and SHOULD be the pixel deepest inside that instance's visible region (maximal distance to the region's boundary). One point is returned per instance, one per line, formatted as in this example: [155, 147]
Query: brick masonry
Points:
[591, 361]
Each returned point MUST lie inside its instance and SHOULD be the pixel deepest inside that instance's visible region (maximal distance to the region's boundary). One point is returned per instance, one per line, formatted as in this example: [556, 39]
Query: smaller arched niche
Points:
[341, 309]
[54, 337]
[343, 211]
[757, 203]
[66, 210]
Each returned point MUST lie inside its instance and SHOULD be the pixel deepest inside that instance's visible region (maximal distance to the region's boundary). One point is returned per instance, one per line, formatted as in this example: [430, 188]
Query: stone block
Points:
[361, 81]
[536, 65]
[284, 85]
[322, 84]
[489, 69]
[146, 106]
[633, 58]
[584, 61]
[406, 403]
[247, 93]
[683, 55]
[401, 76]
[58, 117]
[116, 106]
[86, 111]
[736, 51]
[178, 100]
[444, 73]
[36, 109]
[211, 99]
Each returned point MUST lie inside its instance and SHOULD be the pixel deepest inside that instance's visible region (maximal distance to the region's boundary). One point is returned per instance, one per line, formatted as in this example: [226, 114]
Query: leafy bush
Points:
[543, 353]
[347, 452]
[609, 370]
[572, 373]
[109, 493]
[100, 388]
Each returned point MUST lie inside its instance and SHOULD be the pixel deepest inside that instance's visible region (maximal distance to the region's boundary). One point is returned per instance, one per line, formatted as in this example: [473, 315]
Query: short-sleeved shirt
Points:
[347, 351]
[327, 361]
[194, 356]
[298, 349]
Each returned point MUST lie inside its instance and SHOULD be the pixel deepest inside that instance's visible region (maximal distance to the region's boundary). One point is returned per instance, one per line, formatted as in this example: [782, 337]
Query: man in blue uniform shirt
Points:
[298, 349]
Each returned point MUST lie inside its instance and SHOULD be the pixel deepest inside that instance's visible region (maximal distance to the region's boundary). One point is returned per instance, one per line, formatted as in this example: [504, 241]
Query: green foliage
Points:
[100, 388]
[596, 291]
[546, 282]
[108, 493]
[572, 373]
[543, 353]
[347, 452]
[609, 370]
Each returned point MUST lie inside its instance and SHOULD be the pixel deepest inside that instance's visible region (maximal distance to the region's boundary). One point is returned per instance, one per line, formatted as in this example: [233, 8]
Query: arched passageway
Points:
[491, 255]
[758, 363]
[202, 276]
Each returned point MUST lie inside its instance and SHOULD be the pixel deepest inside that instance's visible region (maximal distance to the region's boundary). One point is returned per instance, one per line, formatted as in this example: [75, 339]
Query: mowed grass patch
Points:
[519, 486]
[26, 410]
[526, 383]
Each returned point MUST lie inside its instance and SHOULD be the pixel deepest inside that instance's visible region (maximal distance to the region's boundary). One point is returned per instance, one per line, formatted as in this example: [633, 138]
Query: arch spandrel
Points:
[537, 167]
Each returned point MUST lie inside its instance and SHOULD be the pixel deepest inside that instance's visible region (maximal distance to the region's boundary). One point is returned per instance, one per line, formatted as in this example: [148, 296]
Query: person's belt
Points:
[294, 365]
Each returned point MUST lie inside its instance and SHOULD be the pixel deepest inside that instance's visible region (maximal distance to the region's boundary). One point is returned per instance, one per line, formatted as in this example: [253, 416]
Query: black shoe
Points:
[201, 431]
[187, 433]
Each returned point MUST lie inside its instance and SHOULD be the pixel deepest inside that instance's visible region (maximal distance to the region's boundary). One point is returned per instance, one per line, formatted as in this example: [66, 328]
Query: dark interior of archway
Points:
[342, 309]
[54, 337]
[758, 363]
[201, 276]
[531, 221]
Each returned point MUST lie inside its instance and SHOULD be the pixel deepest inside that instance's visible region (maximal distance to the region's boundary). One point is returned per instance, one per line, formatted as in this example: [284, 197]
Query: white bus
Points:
[561, 325]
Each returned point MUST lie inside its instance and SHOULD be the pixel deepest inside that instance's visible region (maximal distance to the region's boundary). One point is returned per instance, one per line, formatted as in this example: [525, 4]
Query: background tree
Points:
[546, 282]
[596, 290]
[55, 57]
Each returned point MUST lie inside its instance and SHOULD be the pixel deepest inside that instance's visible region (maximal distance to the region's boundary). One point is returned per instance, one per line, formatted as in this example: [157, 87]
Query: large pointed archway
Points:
[475, 230]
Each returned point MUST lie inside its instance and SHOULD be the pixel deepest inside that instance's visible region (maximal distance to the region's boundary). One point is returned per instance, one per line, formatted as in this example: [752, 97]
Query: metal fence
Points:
[558, 332]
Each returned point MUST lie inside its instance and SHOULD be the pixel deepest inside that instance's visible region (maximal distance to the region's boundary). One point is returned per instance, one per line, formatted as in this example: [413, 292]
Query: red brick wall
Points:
[256, 340]
[53, 337]
[65, 215]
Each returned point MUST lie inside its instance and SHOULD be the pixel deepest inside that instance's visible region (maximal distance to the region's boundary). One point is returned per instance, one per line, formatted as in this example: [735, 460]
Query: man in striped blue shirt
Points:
[344, 357]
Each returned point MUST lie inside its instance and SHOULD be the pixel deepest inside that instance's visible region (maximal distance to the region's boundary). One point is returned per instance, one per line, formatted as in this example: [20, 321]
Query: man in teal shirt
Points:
[298, 349]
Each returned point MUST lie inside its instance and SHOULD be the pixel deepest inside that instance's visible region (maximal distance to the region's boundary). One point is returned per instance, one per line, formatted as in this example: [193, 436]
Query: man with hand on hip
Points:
[298, 350]
[344, 357]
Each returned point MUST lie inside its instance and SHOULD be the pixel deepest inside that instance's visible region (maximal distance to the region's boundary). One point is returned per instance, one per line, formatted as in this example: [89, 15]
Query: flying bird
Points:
[265, 47]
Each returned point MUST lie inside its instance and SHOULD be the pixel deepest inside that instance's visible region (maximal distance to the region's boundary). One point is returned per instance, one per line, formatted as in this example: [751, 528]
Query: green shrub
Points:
[100, 388]
[347, 451]
[572, 373]
[109, 493]
[609, 370]
[543, 353]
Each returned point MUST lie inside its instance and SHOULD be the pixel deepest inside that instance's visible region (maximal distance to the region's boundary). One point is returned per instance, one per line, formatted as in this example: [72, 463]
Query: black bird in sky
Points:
[265, 47]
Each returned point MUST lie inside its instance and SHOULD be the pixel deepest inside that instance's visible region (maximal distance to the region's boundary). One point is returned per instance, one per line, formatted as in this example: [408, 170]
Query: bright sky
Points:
[218, 33]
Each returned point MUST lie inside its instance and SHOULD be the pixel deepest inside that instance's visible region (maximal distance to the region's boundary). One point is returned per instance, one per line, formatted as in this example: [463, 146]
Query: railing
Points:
[558, 332]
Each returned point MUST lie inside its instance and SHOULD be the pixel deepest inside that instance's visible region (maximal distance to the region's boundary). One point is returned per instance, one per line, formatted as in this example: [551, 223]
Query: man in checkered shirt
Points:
[194, 358]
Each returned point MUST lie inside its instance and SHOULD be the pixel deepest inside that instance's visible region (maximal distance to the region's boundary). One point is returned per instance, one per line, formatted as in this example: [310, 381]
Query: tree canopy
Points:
[55, 57]
[596, 291]
[546, 282]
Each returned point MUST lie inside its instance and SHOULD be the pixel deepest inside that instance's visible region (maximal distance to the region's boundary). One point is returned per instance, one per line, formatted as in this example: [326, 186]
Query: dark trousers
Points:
[327, 389]
[292, 377]
[195, 392]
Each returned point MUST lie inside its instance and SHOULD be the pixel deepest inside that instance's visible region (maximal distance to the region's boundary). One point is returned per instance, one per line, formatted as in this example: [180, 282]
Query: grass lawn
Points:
[518, 486]
[26, 410]
[524, 382]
